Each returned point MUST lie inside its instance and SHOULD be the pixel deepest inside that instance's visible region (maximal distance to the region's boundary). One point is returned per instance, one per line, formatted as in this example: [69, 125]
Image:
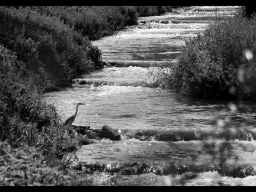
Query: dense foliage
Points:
[25, 166]
[46, 46]
[209, 64]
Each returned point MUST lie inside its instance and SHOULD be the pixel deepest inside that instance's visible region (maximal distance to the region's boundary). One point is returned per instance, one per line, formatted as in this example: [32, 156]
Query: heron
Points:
[71, 119]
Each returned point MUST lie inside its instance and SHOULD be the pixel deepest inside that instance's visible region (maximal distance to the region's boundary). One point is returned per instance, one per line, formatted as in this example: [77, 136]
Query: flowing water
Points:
[123, 95]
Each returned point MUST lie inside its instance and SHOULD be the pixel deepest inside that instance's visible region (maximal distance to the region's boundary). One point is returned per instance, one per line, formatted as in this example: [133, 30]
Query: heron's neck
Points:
[76, 110]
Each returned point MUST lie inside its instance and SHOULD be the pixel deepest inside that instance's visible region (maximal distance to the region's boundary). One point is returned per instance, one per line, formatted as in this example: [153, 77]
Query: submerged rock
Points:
[106, 132]
[109, 133]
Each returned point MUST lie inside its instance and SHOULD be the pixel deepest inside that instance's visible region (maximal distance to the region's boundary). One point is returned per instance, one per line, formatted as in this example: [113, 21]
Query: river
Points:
[124, 96]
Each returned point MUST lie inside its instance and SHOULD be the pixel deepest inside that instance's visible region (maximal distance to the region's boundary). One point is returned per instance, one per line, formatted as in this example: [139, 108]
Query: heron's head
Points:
[80, 104]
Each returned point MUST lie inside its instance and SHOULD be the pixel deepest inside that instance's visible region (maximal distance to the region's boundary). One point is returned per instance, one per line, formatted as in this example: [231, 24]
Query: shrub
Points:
[46, 45]
[25, 166]
[208, 65]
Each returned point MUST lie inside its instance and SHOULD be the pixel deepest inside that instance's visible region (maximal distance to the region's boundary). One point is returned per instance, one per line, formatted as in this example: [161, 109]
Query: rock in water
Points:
[82, 129]
[109, 133]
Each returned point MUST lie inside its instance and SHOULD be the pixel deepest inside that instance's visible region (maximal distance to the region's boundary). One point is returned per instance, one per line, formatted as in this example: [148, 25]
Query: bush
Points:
[208, 65]
[25, 166]
[46, 45]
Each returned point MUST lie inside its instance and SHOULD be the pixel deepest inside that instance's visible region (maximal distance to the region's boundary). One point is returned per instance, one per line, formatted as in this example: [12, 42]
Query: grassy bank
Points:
[214, 65]
[47, 47]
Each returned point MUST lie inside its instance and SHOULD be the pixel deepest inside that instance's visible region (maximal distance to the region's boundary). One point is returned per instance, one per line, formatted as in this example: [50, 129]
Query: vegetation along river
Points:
[124, 95]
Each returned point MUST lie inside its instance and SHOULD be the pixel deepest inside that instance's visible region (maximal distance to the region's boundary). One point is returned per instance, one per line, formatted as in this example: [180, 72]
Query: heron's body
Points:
[71, 119]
